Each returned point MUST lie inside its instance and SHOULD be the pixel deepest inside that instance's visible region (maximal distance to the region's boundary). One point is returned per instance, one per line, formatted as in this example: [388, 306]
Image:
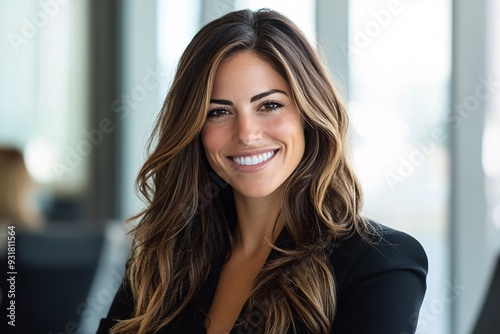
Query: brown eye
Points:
[216, 113]
[270, 106]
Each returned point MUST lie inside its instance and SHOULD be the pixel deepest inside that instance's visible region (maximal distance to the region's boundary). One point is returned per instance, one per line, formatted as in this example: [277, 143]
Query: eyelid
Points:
[219, 108]
[278, 103]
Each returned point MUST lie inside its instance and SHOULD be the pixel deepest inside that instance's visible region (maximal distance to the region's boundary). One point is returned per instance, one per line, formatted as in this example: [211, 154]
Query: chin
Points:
[256, 192]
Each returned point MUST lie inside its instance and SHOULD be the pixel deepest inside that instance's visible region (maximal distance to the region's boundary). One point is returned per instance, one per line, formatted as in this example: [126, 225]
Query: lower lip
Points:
[253, 168]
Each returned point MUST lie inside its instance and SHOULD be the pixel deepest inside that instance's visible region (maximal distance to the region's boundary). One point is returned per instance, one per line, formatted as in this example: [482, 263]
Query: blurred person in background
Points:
[16, 204]
[17, 188]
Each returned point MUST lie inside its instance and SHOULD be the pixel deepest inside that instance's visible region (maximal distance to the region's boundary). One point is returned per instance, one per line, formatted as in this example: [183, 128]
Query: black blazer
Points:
[380, 286]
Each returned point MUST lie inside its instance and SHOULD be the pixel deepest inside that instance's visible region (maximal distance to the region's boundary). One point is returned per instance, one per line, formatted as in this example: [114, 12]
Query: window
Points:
[301, 12]
[491, 137]
[43, 89]
[399, 90]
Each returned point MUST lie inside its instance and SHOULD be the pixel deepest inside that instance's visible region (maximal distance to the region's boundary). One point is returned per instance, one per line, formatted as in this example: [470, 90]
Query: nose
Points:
[247, 129]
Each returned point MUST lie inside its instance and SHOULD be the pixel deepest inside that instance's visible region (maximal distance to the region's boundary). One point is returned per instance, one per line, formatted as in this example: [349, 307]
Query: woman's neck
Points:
[258, 220]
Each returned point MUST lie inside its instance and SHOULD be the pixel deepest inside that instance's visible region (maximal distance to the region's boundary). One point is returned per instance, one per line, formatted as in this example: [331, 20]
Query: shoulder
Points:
[121, 308]
[380, 277]
[381, 249]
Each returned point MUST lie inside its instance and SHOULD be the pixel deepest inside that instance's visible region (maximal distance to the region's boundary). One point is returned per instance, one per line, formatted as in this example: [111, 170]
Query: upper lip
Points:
[251, 153]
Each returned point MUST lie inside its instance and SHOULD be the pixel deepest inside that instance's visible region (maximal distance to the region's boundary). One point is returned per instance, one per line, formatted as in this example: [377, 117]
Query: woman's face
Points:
[254, 134]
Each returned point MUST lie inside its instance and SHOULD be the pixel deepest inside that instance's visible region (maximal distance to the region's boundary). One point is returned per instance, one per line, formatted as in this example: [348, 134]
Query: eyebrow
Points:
[252, 99]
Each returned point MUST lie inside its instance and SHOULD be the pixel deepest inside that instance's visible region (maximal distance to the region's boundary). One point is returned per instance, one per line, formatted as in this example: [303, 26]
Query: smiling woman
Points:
[254, 132]
[279, 245]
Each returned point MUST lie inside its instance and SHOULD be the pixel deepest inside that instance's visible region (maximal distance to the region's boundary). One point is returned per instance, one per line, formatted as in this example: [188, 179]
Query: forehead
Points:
[246, 72]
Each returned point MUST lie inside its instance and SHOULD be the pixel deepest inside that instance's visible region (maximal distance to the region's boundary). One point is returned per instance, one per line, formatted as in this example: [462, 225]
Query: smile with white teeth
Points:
[254, 159]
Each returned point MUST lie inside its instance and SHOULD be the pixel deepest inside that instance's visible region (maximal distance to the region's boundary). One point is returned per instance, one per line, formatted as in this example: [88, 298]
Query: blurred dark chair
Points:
[55, 268]
[489, 319]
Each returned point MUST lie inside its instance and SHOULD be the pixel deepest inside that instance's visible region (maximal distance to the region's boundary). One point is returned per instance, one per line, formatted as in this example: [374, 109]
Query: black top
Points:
[380, 286]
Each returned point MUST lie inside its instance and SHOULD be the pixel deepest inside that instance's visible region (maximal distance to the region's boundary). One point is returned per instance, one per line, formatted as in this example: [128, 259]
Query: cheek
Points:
[208, 140]
[294, 132]
[291, 128]
[212, 143]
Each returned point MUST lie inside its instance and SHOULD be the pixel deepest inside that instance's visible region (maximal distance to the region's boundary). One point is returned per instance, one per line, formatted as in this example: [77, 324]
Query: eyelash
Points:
[276, 104]
[211, 113]
[215, 113]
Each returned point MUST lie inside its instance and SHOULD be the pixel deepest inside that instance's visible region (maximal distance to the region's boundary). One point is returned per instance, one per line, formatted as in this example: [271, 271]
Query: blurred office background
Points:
[83, 80]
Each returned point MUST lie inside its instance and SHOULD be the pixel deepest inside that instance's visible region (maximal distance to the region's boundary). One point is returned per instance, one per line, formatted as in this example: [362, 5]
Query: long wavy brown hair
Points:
[189, 218]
